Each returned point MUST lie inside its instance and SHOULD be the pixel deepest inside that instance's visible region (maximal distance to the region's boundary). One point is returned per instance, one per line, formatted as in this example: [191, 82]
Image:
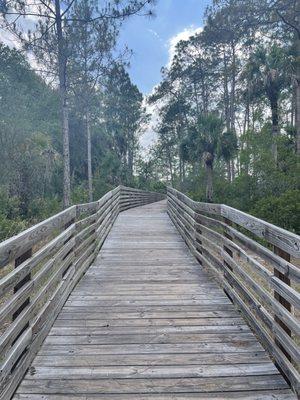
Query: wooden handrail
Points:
[260, 279]
[41, 267]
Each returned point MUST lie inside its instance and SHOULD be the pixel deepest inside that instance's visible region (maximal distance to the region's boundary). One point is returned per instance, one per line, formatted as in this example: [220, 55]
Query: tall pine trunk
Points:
[89, 157]
[62, 64]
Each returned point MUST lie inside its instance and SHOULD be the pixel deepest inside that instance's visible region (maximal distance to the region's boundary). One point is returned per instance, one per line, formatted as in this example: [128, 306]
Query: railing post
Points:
[286, 256]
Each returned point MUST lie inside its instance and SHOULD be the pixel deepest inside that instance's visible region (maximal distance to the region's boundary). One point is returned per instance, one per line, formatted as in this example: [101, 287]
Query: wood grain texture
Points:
[244, 268]
[50, 258]
[146, 321]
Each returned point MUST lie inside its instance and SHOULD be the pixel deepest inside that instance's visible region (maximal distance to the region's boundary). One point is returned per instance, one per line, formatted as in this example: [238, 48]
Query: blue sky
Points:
[151, 39]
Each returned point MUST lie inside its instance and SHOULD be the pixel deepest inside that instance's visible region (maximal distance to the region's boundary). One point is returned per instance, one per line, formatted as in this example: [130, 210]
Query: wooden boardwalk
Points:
[147, 322]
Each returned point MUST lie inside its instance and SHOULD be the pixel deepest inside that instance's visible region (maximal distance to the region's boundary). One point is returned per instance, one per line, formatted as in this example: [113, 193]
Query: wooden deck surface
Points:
[147, 322]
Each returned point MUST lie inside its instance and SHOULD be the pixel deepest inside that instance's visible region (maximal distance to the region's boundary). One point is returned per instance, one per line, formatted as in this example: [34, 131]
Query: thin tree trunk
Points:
[180, 170]
[171, 169]
[209, 183]
[247, 114]
[130, 164]
[89, 157]
[298, 97]
[293, 106]
[226, 94]
[228, 170]
[196, 99]
[62, 63]
[183, 173]
[275, 129]
[209, 159]
[233, 85]
[232, 170]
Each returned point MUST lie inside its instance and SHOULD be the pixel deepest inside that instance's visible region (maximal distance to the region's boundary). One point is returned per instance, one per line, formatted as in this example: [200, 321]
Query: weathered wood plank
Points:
[280, 394]
[174, 371]
[177, 385]
[149, 359]
[147, 320]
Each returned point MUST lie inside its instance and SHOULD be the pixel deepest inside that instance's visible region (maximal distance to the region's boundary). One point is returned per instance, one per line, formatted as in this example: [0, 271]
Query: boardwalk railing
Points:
[41, 266]
[255, 263]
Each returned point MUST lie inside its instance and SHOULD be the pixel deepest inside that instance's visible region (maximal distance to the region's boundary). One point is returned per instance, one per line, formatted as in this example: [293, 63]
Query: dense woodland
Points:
[228, 129]
[229, 111]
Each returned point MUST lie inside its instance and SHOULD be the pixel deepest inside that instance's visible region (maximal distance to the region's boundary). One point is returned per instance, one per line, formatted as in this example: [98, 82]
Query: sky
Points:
[153, 41]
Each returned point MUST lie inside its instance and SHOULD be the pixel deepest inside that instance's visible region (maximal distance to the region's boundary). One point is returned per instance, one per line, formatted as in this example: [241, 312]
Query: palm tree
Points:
[267, 70]
[209, 128]
[207, 141]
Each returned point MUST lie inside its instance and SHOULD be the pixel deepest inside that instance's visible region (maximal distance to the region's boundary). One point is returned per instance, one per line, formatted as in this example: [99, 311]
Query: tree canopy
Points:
[228, 109]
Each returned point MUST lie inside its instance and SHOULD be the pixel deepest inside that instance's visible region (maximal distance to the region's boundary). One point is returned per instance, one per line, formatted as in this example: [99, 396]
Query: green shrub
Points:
[80, 194]
[42, 208]
[283, 210]
[10, 227]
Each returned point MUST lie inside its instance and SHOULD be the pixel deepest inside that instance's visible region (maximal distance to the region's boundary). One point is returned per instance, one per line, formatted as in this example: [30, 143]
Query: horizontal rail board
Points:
[50, 258]
[248, 271]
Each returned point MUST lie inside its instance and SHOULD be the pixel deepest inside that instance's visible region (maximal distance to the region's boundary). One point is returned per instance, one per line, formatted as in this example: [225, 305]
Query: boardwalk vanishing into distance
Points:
[135, 297]
[147, 322]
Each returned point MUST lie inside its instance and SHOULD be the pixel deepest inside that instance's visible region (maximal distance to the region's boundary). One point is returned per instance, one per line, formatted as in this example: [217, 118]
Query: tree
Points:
[280, 17]
[91, 55]
[267, 69]
[28, 121]
[125, 115]
[209, 129]
[50, 43]
[203, 142]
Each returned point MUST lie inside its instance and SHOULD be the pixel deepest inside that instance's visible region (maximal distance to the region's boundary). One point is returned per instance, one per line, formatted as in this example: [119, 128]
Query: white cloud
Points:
[149, 137]
[23, 23]
[183, 35]
[154, 33]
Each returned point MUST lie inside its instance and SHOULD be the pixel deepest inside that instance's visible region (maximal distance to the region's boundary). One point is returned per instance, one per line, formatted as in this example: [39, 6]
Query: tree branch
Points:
[287, 22]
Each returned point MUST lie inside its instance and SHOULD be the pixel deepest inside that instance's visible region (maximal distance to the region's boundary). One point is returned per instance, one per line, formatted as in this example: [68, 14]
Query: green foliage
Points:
[227, 105]
[9, 227]
[282, 210]
[80, 194]
[42, 208]
[31, 145]
[228, 145]
[9, 205]
[10, 222]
